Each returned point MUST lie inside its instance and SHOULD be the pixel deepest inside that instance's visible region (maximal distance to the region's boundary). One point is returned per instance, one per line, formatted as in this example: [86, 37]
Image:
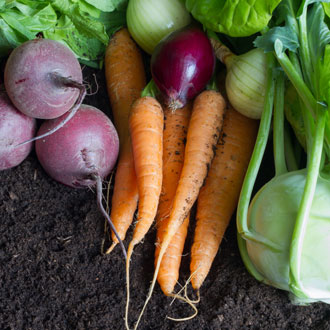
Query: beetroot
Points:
[81, 153]
[87, 146]
[15, 127]
[37, 78]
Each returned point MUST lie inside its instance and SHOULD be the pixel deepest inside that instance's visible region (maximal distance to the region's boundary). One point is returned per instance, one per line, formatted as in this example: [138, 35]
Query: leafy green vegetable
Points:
[237, 18]
[287, 223]
[83, 25]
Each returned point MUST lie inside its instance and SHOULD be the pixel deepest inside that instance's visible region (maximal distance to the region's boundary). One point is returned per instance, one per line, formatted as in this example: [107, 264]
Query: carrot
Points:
[125, 195]
[218, 198]
[146, 125]
[125, 77]
[175, 132]
[203, 134]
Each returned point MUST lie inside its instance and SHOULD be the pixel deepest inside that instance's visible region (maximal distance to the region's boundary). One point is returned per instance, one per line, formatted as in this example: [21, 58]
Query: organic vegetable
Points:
[125, 195]
[84, 26]
[44, 80]
[125, 79]
[246, 78]
[81, 153]
[146, 125]
[273, 214]
[15, 128]
[182, 64]
[287, 249]
[175, 132]
[150, 21]
[203, 133]
[235, 18]
[218, 197]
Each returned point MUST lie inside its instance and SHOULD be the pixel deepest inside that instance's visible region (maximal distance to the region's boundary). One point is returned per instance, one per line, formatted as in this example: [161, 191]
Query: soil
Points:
[54, 276]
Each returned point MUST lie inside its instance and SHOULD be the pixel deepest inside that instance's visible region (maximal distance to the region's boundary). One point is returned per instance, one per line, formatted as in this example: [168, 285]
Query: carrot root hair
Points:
[189, 302]
[105, 214]
[129, 255]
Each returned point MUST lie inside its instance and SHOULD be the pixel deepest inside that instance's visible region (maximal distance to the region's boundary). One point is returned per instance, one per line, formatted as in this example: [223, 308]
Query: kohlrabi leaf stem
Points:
[255, 162]
[278, 123]
[304, 50]
[313, 169]
[295, 77]
[292, 156]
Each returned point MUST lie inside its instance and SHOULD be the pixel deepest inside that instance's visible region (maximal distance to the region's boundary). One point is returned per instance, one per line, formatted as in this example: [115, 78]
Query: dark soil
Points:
[53, 275]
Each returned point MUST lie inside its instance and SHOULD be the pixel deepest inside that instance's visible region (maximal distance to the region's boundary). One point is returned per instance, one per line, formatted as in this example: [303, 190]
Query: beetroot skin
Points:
[85, 148]
[29, 79]
[15, 128]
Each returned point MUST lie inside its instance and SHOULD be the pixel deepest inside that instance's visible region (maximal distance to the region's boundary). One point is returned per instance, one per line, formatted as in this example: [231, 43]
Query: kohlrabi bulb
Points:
[272, 214]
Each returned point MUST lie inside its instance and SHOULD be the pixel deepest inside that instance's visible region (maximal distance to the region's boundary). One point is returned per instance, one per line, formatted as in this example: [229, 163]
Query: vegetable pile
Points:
[195, 135]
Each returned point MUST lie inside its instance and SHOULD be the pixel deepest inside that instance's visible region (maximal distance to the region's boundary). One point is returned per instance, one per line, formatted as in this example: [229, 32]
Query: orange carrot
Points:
[203, 134]
[218, 198]
[125, 194]
[146, 125]
[175, 132]
[125, 77]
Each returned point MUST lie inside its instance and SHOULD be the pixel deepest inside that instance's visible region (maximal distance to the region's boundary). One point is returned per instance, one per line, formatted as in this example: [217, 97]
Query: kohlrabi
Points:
[284, 233]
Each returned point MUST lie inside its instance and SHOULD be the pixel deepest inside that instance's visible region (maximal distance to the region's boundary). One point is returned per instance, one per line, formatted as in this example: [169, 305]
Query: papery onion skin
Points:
[182, 64]
[149, 21]
[246, 82]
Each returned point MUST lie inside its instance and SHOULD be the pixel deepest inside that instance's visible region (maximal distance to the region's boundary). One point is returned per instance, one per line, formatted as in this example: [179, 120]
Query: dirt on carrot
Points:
[218, 198]
[175, 133]
[203, 133]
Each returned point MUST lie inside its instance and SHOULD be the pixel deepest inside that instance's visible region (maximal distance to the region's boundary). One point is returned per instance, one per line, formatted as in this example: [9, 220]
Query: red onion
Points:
[182, 64]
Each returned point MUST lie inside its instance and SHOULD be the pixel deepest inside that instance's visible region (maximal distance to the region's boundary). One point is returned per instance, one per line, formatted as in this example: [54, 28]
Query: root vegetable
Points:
[81, 153]
[15, 127]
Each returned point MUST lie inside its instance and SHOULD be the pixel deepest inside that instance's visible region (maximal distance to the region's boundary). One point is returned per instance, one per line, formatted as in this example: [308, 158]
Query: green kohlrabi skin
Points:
[272, 214]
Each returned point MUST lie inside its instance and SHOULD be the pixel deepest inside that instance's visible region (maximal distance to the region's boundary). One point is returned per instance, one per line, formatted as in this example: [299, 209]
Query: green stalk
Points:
[292, 156]
[255, 162]
[304, 50]
[298, 236]
[278, 123]
[295, 78]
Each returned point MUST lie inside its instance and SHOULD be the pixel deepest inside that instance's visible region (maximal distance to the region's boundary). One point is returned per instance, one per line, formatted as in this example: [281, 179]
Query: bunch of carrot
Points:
[168, 161]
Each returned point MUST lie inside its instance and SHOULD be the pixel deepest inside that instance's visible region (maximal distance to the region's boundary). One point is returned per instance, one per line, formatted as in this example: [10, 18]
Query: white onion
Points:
[149, 21]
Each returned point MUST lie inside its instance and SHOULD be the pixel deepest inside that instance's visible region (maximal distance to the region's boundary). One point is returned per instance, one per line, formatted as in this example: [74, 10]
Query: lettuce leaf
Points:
[236, 18]
[83, 25]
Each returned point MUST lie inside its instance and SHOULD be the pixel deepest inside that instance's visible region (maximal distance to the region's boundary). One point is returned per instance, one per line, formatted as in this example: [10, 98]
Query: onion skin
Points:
[149, 21]
[182, 64]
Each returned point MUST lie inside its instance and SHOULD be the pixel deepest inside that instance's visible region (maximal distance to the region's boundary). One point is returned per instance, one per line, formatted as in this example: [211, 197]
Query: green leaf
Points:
[10, 18]
[108, 5]
[9, 38]
[83, 22]
[80, 24]
[84, 47]
[286, 34]
[237, 18]
[113, 21]
[325, 75]
[37, 19]
[318, 32]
